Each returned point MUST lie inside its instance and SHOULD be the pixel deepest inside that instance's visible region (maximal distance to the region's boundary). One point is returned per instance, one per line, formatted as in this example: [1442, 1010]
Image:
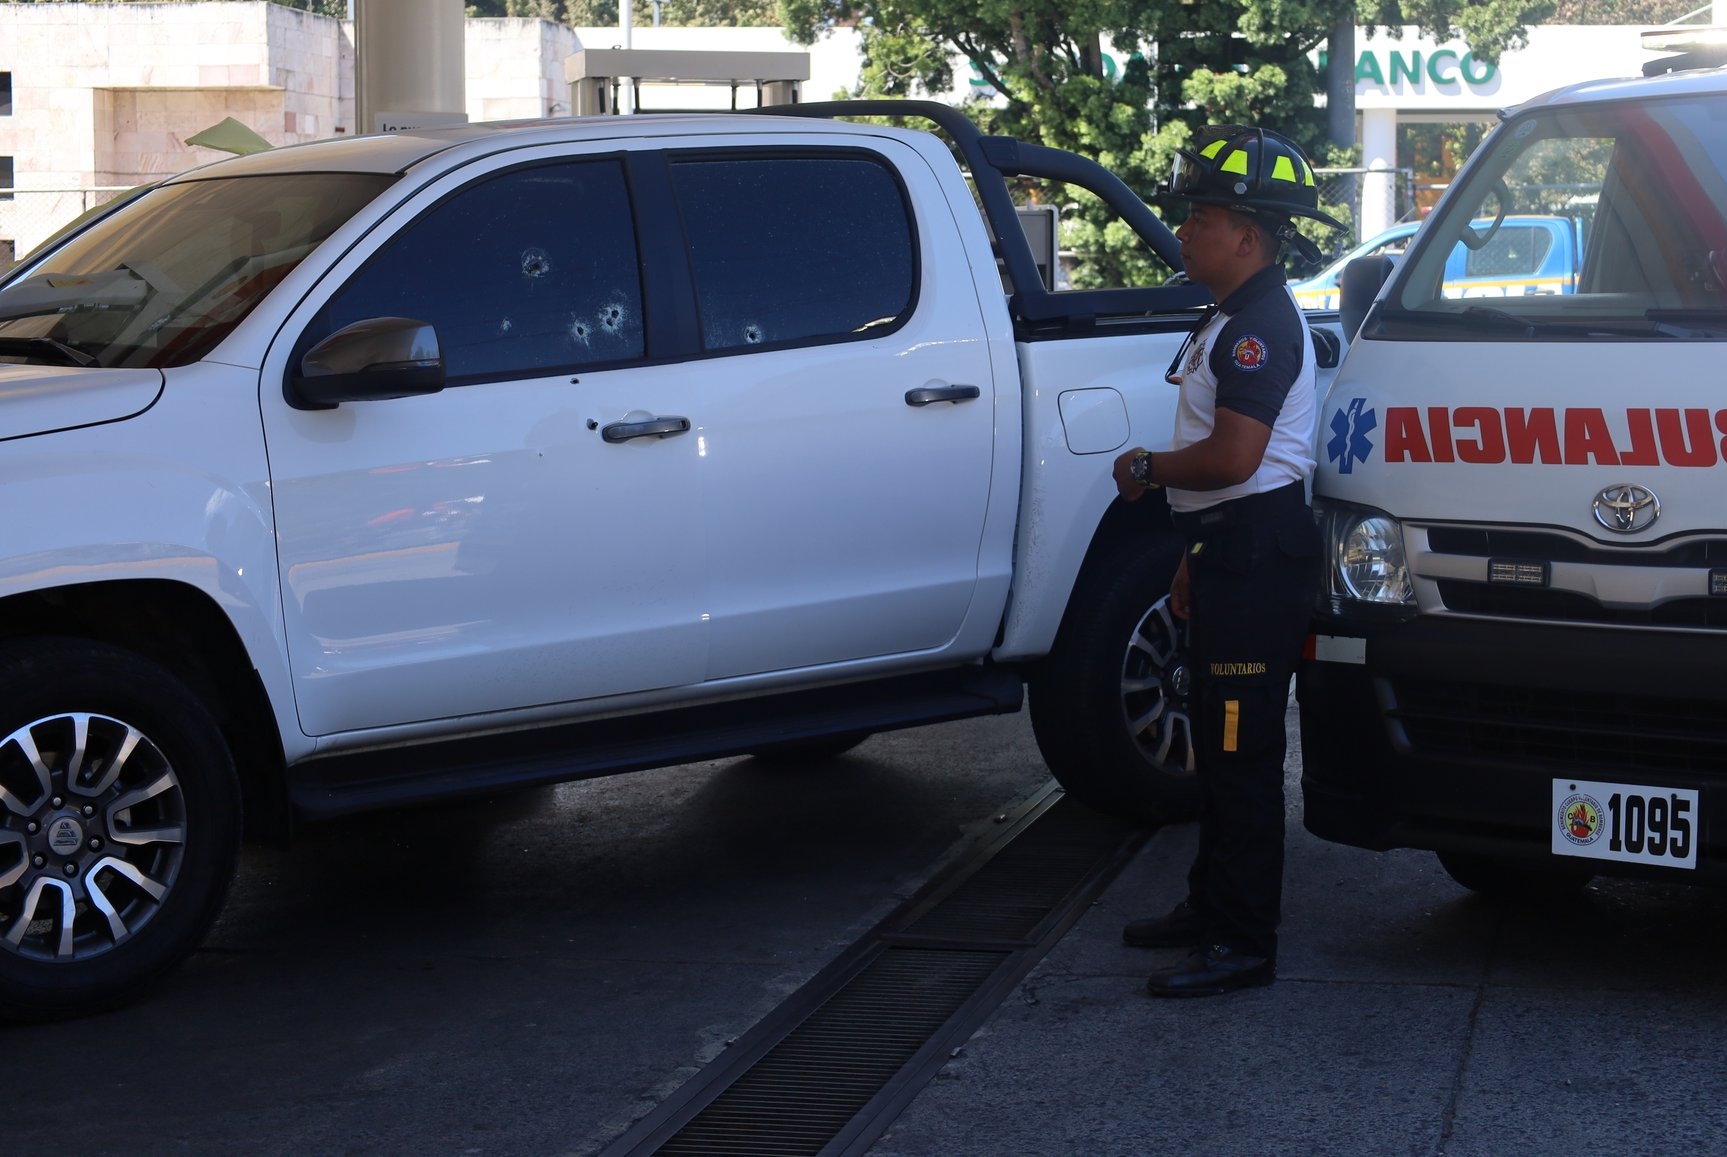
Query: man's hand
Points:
[1123, 473]
[1179, 589]
[1227, 456]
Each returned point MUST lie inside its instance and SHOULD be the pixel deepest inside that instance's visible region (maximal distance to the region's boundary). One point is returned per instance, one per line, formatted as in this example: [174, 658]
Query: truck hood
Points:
[42, 399]
[1530, 435]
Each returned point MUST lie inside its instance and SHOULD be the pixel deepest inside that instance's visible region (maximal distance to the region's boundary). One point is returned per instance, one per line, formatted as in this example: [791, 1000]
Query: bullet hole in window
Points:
[752, 334]
[580, 331]
[535, 263]
[506, 325]
[612, 317]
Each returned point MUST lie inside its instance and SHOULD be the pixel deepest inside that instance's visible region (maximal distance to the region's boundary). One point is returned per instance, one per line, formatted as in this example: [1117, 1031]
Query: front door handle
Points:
[649, 428]
[924, 395]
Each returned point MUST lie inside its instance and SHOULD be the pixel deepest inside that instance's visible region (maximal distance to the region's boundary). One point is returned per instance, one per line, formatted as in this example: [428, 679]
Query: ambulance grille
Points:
[1546, 605]
[1479, 542]
[1611, 731]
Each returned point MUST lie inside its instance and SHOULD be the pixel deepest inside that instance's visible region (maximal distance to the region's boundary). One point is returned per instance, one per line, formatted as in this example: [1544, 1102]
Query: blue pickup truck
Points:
[1526, 254]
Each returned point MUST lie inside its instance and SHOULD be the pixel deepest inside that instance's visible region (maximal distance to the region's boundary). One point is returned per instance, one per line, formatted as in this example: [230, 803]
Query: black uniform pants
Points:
[1253, 569]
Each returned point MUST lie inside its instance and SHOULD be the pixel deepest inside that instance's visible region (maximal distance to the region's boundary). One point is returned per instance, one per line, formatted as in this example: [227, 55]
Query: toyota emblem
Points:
[1626, 509]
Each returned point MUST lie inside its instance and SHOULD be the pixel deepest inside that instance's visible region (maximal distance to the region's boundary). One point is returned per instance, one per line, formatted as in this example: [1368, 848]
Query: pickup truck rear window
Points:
[1513, 251]
[788, 249]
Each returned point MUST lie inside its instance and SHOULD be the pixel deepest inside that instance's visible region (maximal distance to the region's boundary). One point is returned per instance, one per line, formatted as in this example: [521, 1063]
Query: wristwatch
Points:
[1140, 467]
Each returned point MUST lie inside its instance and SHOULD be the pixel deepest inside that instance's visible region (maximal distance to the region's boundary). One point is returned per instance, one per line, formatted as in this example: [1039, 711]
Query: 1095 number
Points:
[1626, 822]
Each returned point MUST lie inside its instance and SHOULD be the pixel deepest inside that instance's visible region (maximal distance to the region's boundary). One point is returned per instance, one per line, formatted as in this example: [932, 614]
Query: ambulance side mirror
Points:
[1357, 288]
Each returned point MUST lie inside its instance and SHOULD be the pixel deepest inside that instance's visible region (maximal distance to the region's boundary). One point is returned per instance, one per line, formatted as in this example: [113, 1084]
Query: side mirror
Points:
[1357, 288]
[1327, 348]
[371, 360]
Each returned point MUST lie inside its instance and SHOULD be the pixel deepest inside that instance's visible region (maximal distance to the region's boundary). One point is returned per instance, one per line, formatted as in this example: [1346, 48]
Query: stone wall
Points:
[105, 95]
[515, 68]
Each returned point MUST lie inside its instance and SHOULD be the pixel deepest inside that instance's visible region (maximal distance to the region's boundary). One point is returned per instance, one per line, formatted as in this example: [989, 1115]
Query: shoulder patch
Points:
[1249, 353]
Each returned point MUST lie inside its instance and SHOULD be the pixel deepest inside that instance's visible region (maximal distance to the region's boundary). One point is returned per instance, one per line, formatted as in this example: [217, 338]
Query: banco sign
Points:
[1443, 67]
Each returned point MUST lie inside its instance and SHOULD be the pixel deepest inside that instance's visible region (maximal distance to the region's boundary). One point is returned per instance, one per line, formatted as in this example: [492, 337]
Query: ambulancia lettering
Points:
[1547, 436]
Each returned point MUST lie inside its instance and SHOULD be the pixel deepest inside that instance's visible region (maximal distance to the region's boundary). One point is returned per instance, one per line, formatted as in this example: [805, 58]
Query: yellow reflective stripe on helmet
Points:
[1210, 151]
[1236, 162]
[1306, 173]
[1282, 170]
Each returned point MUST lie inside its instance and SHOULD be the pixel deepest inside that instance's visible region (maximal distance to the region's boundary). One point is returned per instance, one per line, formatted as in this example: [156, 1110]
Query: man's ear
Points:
[1252, 236]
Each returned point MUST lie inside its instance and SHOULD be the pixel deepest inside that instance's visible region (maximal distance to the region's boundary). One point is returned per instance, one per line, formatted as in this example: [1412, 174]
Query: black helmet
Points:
[1248, 170]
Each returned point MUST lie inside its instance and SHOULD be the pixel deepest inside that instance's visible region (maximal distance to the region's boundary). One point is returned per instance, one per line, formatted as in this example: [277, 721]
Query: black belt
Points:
[1236, 511]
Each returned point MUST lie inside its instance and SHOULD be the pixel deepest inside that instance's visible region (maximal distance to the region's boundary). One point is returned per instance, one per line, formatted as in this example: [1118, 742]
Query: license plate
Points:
[1626, 822]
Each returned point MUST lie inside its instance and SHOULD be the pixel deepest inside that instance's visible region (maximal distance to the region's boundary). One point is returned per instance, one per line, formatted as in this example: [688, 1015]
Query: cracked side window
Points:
[790, 249]
[530, 272]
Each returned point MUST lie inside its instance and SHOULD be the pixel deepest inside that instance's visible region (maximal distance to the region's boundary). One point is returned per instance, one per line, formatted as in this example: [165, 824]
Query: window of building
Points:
[6, 178]
[528, 273]
[5, 94]
[793, 249]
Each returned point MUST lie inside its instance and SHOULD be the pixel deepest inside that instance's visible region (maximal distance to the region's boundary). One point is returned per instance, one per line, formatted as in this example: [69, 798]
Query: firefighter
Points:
[1236, 477]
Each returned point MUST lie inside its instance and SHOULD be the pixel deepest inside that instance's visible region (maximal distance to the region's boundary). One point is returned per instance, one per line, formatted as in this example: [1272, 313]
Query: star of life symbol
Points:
[1349, 442]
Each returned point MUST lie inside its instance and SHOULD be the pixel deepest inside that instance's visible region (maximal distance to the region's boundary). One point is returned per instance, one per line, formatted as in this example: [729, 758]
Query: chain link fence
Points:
[29, 217]
[1340, 192]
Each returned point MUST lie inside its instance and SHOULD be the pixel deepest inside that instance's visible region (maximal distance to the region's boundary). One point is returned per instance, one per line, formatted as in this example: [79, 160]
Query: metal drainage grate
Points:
[832, 1067]
[1022, 887]
[810, 1086]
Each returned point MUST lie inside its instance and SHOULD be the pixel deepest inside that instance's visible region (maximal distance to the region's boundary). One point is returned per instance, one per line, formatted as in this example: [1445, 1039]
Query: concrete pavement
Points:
[1408, 1017]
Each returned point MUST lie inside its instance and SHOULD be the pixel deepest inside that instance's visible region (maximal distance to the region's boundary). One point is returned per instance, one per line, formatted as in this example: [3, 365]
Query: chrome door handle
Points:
[652, 428]
[924, 395]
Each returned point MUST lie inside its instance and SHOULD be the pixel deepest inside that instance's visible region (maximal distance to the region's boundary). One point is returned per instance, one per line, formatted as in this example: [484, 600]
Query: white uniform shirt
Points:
[1254, 356]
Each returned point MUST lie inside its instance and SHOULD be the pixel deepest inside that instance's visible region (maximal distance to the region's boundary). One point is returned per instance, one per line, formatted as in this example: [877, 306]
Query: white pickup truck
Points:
[445, 463]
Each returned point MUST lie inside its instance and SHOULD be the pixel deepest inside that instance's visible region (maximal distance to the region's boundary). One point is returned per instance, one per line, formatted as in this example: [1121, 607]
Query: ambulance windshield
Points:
[1604, 221]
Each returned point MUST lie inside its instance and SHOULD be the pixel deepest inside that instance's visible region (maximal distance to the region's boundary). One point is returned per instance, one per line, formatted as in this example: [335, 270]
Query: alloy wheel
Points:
[92, 836]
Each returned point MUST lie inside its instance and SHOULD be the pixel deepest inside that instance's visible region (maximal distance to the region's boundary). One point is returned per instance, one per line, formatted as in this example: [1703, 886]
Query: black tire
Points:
[807, 751]
[1110, 705]
[126, 817]
[1520, 881]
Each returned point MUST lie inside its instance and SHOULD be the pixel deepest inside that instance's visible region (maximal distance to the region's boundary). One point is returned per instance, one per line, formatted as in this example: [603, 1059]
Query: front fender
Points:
[178, 493]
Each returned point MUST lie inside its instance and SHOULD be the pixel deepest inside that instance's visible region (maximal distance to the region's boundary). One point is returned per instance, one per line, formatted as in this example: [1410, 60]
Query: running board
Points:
[480, 765]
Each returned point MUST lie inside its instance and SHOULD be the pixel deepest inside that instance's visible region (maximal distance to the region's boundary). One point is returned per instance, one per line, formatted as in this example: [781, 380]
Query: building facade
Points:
[95, 98]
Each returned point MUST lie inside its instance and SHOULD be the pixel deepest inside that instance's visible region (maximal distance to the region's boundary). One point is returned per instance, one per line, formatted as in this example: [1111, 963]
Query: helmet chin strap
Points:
[1283, 228]
[1302, 244]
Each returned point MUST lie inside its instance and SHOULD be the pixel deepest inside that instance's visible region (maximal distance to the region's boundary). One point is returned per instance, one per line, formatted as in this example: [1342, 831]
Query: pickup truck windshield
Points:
[1577, 224]
[162, 279]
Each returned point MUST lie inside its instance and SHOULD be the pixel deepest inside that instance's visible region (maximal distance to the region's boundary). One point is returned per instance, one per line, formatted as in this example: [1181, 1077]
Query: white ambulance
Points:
[1520, 661]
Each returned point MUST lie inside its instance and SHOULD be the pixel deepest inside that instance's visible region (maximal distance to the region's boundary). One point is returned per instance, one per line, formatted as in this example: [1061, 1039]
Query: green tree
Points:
[1040, 74]
[1650, 12]
[337, 8]
[604, 13]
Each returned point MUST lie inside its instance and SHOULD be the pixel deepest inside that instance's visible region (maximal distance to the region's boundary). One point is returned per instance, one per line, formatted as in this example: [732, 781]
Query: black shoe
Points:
[1213, 971]
[1184, 927]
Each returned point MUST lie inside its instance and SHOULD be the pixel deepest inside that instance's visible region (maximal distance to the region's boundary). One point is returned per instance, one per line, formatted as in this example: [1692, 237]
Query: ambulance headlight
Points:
[1364, 549]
